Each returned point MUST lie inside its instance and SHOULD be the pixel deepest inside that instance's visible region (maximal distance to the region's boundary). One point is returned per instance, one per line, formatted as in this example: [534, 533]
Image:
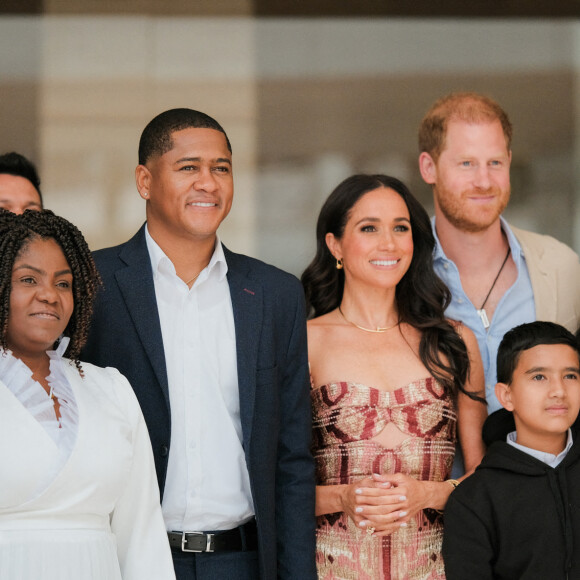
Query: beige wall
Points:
[305, 103]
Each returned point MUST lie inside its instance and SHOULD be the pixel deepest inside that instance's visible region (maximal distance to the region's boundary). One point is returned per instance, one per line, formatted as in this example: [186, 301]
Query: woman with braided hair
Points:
[78, 493]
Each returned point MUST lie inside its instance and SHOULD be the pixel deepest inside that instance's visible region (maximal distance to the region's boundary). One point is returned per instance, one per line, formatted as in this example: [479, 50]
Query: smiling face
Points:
[471, 183]
[18, 194]
[41, 298]
[544, 396]
[377, 244]
[189, 189]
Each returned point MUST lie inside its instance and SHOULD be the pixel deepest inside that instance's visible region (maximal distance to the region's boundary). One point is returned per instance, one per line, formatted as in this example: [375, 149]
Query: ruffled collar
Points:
[18, 379]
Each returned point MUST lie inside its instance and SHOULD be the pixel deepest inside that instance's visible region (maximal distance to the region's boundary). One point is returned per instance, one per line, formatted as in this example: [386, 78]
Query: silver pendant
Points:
[484, 318]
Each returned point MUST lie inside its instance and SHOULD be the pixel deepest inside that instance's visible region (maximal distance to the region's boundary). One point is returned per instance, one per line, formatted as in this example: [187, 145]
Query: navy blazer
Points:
[270, 328]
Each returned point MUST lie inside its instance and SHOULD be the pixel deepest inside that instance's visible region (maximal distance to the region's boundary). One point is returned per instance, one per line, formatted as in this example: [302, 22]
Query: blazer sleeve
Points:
[295, 484]
[142, 545]
[467, 546]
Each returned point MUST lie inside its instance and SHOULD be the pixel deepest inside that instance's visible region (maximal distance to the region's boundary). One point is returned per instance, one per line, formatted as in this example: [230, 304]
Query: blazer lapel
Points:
[545, 290]
[543, 284]
[246, 296]
[138, 290]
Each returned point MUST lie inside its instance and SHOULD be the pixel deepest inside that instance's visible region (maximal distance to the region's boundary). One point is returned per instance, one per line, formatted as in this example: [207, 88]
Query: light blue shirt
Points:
[515, 307]
[547, 458]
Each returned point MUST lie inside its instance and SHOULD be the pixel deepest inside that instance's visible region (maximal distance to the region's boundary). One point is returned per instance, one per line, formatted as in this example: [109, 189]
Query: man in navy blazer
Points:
[214, 345]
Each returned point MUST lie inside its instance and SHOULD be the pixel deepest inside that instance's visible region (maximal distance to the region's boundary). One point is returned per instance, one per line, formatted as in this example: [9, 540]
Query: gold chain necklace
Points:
[379, 329]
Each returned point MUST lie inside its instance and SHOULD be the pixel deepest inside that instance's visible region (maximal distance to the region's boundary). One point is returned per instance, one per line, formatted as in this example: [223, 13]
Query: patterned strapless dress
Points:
[347, 417]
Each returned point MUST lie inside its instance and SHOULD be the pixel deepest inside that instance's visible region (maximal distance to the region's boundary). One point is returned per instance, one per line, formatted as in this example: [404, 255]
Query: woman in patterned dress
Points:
[393, 385]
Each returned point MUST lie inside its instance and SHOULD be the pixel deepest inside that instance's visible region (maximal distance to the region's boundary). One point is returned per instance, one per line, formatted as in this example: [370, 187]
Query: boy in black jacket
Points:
[518, 515]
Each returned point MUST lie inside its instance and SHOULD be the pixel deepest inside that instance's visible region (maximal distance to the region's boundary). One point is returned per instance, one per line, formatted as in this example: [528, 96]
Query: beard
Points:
[467, 216]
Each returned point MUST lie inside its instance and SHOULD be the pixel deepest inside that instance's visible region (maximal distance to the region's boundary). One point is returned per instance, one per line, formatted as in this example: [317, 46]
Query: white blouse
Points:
[78, 501]
[31, 394]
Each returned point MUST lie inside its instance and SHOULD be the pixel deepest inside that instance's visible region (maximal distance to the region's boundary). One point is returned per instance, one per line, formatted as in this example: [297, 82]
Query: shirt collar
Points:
[516, 249]
[548, 458]
[160, 262]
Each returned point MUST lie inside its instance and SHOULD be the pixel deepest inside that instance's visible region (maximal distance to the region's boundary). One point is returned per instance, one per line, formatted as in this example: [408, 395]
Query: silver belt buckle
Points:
[208, 546]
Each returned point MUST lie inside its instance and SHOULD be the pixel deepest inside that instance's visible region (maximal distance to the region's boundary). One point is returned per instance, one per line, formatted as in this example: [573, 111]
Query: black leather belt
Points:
[241, 539]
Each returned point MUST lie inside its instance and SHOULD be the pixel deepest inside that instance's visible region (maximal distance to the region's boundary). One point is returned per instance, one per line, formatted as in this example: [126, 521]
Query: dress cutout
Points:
[346, 417]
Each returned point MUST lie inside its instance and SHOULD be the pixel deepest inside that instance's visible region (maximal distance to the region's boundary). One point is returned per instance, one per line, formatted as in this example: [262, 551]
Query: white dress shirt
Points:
[207, 485]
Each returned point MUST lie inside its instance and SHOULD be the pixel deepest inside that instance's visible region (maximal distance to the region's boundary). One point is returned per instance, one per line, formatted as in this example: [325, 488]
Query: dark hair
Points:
[421, 296]
[524, 337]
[469, 107]
[16, 232]
[156, 137]
[15, 164]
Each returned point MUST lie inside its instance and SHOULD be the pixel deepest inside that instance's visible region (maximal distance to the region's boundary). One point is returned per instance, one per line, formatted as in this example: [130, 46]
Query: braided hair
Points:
[16, 232]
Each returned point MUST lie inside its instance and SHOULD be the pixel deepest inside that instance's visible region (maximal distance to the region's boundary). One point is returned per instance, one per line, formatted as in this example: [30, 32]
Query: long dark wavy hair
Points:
[16, 232]
[421, 296]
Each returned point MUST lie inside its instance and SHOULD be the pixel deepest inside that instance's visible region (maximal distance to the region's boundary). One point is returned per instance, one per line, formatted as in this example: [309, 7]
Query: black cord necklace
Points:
[481, 311]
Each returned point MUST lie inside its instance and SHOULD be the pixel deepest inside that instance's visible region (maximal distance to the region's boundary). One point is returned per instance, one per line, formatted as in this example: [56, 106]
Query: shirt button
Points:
[460, 301]
[446, 266]
[164, 451]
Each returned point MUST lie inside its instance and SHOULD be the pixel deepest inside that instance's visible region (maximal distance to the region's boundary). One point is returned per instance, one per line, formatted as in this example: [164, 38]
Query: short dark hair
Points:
[16, 164]
[16, 232]
[526, 336]
[469, 107]
[156, 137]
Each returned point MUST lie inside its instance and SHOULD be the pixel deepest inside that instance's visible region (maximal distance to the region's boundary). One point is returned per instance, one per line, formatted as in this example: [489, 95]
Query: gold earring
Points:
[339, 265]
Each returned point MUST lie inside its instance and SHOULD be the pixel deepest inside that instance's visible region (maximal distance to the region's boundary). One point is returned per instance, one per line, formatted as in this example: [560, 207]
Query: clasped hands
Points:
[385, 502]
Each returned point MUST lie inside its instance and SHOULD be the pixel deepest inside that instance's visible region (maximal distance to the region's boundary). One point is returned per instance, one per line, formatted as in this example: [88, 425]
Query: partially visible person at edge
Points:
[214, 345]
[393, 383]
[19, 184]
[78, 499]
[499, 276]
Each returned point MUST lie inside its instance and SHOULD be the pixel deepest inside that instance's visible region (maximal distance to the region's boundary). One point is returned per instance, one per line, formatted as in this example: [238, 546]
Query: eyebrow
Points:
[376, 220]
[468, 156]
[544, 369]
[10, 200]
[39, 271]
[199, 159]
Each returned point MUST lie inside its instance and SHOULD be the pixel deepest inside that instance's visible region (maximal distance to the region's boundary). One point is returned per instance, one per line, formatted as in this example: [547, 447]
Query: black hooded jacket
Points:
[515, 518]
